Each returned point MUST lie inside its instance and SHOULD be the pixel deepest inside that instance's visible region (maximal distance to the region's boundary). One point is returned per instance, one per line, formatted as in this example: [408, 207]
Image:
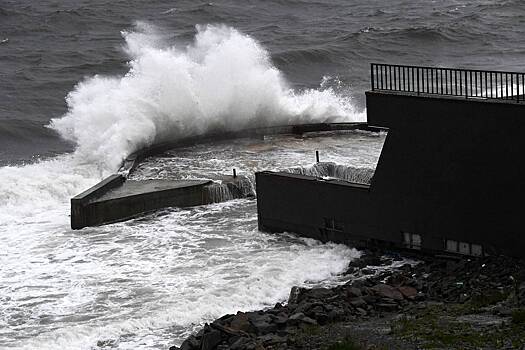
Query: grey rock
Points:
[387, 291]
[190, 343]
[240, 322]
[387, 306]
[295, 293]
[210, 340]
[353, 292]
[280, 319]
[240, 343]
[358, 302]
[360, 311]
[270, 339]
[299, 318]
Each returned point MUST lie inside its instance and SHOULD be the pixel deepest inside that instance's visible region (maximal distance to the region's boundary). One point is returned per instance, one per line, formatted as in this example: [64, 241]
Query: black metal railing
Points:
[468, 83]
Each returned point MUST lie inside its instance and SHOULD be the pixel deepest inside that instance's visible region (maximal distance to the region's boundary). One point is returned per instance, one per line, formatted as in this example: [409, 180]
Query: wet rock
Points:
[358, 302]
[280, 319]
[408, 292]
[361, 311]
[353, 292]
[190, 343]
[320, 293]
[299, 318]
[240, 343]
[295, 292]
[336, 314]
[262, 323]
[387, 306]
[387, 291]
[240, 322]
[270, 339]
[210, 340]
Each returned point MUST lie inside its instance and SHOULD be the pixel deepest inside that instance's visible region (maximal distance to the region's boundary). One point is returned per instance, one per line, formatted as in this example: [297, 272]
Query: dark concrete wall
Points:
[101, 212]
[449, 169]
[79, 216]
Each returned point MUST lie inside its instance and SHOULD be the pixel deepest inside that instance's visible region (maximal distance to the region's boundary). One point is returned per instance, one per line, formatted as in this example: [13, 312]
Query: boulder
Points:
[387, 291]
[295, 293]
[358, 302]
[190, 343]
[299, 318]
[240, 322]
[353, 292]
[408, 292]
[210, 340]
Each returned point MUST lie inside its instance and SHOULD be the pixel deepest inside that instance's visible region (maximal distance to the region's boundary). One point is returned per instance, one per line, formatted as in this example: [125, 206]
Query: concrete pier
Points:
[133, 198]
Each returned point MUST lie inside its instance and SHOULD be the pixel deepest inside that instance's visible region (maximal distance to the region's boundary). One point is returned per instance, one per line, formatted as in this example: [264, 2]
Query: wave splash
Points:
[224, 80]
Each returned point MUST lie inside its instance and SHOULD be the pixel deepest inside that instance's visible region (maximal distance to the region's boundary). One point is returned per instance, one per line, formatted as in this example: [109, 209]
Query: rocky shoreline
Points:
[434, 303]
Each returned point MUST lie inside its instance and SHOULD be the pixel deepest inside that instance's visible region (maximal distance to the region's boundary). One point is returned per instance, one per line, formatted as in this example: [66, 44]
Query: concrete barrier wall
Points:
[118, 209]
[79, 215]
[86, 211]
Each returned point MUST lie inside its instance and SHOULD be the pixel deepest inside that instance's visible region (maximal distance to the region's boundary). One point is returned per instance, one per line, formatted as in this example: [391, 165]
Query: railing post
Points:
[417, 79]
[518, 88]
[372, 74]
[466, 85]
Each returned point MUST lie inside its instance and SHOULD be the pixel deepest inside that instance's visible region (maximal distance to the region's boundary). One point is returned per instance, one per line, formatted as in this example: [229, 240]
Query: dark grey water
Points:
[52, 45]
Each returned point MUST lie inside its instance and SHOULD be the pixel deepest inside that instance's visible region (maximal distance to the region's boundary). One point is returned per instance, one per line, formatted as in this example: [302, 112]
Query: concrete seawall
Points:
[116, 199]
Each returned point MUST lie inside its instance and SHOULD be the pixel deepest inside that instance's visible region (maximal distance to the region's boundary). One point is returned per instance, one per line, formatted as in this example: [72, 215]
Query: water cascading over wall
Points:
[335, 171]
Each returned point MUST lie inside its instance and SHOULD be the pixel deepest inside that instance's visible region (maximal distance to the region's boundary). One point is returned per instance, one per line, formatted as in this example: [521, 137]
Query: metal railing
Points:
[468, 83]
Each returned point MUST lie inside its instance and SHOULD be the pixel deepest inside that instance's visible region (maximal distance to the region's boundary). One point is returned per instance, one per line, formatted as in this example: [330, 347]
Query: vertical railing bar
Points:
[466, 85]
[423, 79]
[506, 86]
[372, 75]
[512, 86]
[501, 83]
[412, 78]
[381, 67]
[431, 82]
[486, 84]
[455, 82]
[390, 77]
[394, 78]
[446, 81]
[476, 82]
[470, 78]
[491, 86]
[417, 79]
[377, 76]
[441, 80]
[404, 85]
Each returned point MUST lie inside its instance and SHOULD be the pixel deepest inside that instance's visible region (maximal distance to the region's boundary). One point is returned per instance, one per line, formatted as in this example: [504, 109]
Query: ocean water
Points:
[85, 83]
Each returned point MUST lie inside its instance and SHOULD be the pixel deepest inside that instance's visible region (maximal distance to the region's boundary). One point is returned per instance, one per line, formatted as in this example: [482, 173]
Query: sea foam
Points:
[223, 80]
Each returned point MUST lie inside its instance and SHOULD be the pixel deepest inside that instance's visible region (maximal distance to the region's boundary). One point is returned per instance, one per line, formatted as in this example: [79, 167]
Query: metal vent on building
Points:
[464, 248]
[412, 240]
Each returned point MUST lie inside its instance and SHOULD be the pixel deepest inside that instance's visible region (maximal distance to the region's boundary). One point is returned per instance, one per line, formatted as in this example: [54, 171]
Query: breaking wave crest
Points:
[224, 80]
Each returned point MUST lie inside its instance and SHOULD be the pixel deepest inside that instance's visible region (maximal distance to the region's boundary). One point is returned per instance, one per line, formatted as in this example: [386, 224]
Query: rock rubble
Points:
[377, 292]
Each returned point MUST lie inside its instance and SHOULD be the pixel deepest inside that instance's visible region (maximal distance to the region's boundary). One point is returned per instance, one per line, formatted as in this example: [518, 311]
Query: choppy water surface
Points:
[146, 283]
